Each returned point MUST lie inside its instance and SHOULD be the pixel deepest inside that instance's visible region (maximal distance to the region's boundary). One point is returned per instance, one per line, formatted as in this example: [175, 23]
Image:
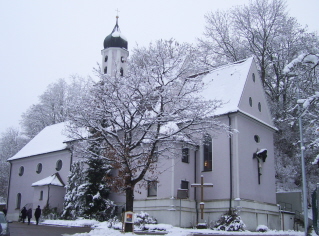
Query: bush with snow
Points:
[262, 228]
[143, 218]
[230, 221]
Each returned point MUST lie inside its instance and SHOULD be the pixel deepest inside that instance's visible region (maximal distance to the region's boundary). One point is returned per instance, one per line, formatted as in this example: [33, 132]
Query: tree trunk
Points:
[129, 206]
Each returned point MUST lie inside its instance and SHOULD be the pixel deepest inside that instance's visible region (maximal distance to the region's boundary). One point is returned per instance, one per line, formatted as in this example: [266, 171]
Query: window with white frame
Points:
[185, 155]
[184, 184]
[152, 188]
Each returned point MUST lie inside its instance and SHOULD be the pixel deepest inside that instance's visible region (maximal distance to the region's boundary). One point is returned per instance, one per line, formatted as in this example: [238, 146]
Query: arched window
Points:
[18, 201]
[58, 165]
[105, 59]
[254, 78]
[208, 152]
[21, 170]
[105, 70]
[256, 138]
[39, 168]
[259, 106]
[250, 101]
[121, 71]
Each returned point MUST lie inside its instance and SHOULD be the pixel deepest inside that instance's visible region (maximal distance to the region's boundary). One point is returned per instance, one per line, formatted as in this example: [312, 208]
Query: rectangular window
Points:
[41, 195]
[208, 153]
[185, 155]
[184, 184]
[152, 189]
[18, 203]
[155, 155]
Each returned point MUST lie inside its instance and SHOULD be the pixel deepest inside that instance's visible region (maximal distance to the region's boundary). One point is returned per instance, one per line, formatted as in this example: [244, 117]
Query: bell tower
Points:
[115, 53]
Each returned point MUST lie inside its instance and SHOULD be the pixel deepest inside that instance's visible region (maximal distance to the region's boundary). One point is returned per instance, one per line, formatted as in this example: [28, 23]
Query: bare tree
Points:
[53, 106]
[138, 117]
[11, 141]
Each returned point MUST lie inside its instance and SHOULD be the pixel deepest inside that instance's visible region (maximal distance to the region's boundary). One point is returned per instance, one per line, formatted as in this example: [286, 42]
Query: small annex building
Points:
[241, 167]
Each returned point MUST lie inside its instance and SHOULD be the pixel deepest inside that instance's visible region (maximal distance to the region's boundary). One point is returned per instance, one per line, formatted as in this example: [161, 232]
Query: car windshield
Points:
[2, 219]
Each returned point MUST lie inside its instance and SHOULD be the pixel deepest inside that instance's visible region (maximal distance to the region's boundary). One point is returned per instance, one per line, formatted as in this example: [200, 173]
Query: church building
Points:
[202, 183]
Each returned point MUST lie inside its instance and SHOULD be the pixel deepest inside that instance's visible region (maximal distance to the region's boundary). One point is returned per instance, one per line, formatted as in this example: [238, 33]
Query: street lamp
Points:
[303, 169]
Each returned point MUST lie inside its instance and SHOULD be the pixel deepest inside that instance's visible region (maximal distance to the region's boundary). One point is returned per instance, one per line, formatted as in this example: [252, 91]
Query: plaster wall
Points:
[22, 184]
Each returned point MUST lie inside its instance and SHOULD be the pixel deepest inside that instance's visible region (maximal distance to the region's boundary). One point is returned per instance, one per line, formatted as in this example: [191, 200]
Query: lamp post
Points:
[303, 169]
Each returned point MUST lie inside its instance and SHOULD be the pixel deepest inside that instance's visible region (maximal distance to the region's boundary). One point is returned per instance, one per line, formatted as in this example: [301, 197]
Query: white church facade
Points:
[241, 167]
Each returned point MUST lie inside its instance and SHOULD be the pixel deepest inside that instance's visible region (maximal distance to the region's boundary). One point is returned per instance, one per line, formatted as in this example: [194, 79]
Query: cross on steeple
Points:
[202, 185]
[117, 15]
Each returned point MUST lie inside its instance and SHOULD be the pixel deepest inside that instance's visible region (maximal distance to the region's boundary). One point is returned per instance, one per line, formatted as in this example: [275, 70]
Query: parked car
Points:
[4, 225]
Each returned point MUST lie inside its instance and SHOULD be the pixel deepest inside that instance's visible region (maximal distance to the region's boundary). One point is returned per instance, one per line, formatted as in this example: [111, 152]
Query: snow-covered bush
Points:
[50, 213]
[262, 228]
[230, 221]
[144, 218]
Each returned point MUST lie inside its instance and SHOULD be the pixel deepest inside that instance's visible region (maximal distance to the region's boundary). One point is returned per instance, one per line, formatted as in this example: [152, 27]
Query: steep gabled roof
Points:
[234, 86]
[226, 83]
[54, 179]
[50, 139]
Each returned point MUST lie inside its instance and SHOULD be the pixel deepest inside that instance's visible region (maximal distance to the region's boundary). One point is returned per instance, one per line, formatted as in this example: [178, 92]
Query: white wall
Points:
[22, 184]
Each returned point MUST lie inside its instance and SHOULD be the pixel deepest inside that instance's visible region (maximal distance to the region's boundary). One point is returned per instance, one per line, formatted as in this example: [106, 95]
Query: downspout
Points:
[195, 173]
[230, 165]
[71, 157]
[48, 199]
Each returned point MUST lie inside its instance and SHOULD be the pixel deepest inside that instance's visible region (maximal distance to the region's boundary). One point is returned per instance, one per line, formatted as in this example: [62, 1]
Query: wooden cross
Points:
[202, 185]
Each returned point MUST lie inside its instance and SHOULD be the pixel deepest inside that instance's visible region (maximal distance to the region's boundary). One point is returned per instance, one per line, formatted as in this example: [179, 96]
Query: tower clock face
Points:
[122, 59]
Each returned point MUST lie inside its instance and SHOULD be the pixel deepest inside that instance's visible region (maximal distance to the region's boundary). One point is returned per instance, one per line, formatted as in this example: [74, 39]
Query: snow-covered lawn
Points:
[102, 228]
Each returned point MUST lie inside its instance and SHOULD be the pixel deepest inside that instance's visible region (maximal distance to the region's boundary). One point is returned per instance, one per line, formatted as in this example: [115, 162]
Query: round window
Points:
[21, 170]
[257, 139]
[39, 168]
[58, 165]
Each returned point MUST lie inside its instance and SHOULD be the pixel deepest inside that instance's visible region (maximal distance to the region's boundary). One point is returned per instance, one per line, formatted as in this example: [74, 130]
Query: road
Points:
[20, 229]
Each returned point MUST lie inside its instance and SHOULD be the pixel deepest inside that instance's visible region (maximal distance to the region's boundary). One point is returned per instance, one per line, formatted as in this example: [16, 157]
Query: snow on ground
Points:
[102, 228]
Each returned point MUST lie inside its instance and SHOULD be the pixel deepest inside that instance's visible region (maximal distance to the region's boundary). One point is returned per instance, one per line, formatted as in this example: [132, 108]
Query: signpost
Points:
[128, 218]
[181, 194]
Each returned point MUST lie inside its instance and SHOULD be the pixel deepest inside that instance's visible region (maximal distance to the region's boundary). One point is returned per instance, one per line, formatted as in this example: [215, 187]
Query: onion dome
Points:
[116, 38]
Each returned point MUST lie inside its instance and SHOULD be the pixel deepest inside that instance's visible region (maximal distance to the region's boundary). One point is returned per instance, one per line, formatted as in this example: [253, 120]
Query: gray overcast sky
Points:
[42, 41]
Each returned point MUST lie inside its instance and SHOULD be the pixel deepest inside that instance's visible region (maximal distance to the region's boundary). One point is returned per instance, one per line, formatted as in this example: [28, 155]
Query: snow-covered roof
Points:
[50, 139]
[226, 83]
[54, 179]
